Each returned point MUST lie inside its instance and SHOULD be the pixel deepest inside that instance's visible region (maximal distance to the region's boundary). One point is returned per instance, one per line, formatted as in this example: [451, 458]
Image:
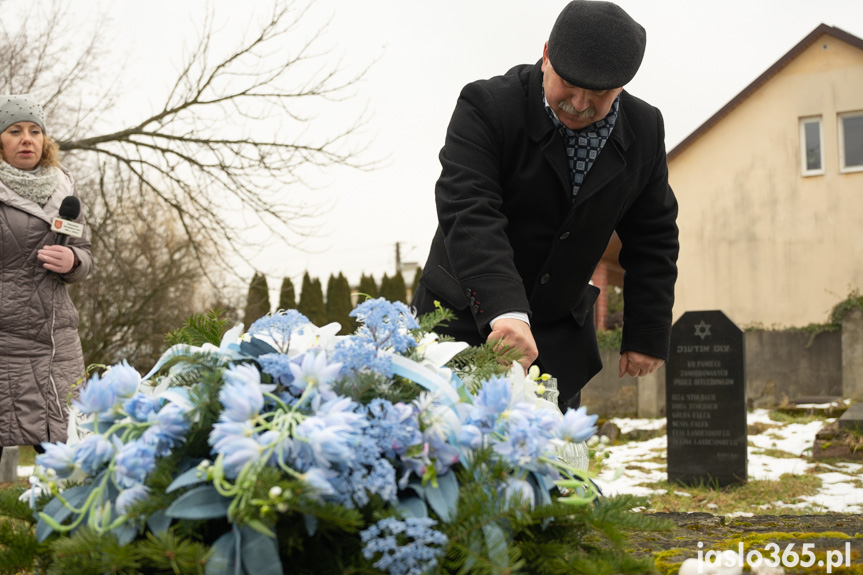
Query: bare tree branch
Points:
[236, 128]
[237, 131]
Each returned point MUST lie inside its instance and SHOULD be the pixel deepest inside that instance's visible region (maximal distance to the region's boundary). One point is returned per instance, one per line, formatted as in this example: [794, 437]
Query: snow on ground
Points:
[643, 462]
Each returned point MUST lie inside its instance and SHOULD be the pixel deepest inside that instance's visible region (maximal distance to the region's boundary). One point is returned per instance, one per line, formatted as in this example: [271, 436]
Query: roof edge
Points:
[819, 31]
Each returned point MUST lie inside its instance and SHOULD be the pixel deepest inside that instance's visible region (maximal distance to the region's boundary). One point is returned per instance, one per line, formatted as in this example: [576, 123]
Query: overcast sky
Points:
[700, 54]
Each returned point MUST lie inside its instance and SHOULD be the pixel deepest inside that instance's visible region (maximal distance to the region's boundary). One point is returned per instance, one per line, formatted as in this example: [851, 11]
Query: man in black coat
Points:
[540, 166]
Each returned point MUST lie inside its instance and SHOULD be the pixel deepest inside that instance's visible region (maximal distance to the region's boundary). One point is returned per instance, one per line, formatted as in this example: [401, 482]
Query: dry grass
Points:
[755, 496]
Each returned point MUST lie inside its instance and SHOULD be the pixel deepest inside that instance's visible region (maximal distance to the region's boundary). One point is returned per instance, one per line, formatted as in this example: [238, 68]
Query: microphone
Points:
[65, 226]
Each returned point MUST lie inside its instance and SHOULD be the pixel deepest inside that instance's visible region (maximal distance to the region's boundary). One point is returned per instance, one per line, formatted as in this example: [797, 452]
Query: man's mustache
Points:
[567, 107]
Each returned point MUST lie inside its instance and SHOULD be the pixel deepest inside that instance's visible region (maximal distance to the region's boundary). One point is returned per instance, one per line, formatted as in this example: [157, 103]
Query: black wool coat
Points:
[510, 238]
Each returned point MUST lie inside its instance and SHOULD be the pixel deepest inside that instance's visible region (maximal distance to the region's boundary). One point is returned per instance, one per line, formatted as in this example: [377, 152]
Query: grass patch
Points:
[26, 455]
[759, 427]
[777, 453]
[641, 435]
[749, 497]
[802, 418]
[660, 458]
[775, 435]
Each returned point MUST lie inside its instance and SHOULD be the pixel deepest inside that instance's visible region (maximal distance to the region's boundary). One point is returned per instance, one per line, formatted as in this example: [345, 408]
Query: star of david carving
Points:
[702, 330]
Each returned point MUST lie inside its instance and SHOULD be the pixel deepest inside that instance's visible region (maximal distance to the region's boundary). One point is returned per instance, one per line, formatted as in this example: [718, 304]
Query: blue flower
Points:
[332, 436]
[319, 480]
[315, 374]
[577, 426]
[381, 481]
[329, 444]
[169, 429]
[470, 436]
[280, 327]
[519, 490]
[59, 457]
[93, 453]
[523, 444]
[238, 452]
[98, 397]
[444, 454]
[278, 366]
[342, 411]
[491, 402]
[127, 497]
[386, 324]
[358, 354]
[123, 378]
[172, 422]
[241, 395]
[140, 406]
[227, 430]
[133, 463]
[408, 547]
[394, 428]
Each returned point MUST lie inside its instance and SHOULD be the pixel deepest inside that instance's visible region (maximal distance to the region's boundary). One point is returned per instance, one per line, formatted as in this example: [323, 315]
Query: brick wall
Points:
[600, 280]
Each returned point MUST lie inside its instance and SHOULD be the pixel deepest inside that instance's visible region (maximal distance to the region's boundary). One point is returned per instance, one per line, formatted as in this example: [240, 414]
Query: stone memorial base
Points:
[9, 465]
[836, 442]
[826, 405]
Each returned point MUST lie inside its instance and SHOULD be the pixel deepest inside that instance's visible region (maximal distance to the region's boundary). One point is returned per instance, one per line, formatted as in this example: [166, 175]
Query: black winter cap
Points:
[596, 45]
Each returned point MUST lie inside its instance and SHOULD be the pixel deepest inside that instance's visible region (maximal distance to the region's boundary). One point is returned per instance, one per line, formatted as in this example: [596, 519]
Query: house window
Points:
[812, 163]
[851, 142]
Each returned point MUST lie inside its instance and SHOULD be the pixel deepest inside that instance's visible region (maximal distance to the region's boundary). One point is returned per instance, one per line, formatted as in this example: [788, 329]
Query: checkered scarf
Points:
[583, 146]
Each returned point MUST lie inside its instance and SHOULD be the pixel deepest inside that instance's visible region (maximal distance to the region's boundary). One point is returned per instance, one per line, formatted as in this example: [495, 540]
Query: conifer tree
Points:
[384, 290]
[399, 289]
[339, 303]
[416, 282]
[258, 300]
[331, 296]
[367, 288]
[394, 289]
[287, 295]
[311, 302]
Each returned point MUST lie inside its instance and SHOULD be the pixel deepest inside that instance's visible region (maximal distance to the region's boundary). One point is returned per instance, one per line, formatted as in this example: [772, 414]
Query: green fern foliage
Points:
[208, 327]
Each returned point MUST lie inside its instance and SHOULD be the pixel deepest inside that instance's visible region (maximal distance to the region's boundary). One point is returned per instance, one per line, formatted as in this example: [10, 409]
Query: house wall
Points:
[758, 240]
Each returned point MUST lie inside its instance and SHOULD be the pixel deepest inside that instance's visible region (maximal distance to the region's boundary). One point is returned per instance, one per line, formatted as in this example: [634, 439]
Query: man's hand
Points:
[637, 364]
[58, 259]
[515, 334]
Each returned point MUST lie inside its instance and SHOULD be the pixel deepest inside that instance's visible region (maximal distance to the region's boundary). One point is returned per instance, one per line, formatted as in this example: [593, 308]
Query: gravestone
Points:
[705, 401]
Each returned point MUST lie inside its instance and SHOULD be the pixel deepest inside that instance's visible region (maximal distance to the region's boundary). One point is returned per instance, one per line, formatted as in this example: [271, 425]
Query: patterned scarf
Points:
[36, 185]
[583, 146]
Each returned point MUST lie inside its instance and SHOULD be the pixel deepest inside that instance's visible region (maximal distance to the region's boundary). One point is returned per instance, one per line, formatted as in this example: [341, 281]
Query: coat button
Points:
[564, 235]
[475, 308]
[467, 292]
[544, 279]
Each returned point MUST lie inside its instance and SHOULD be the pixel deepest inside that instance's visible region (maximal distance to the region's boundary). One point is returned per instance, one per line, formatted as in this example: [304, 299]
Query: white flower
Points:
[37, 490]
[313, 337]
[525, 387]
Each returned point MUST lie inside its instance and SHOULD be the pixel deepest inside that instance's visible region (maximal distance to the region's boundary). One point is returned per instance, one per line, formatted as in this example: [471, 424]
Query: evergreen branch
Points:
[200, 328]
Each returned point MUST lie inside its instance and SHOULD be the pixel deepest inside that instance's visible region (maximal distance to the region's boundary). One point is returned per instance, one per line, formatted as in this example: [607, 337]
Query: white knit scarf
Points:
[36, 185]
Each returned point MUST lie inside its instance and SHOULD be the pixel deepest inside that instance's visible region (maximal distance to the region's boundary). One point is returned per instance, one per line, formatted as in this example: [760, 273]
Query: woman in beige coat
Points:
[40, 351]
